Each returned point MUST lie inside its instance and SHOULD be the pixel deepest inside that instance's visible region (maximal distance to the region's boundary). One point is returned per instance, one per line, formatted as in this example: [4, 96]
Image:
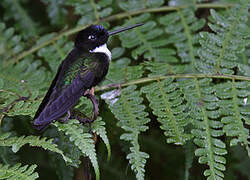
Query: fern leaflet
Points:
[132, 118]
[17, 142]
[83, 140]
[182, 27]
[219, 50]
[204, 112]
[18, 172]
[170, 107]
[236, 113]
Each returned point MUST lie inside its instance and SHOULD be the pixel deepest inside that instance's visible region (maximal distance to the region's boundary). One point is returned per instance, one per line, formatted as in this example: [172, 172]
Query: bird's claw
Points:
[91, 95]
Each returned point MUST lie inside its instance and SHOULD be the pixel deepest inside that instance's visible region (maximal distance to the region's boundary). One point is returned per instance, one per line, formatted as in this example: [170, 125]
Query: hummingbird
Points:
[84, 67]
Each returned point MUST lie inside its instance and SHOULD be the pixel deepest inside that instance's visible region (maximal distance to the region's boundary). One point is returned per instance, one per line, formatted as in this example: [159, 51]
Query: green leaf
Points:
[182, 27]
[56, 11]
[17, 142]
[90, 10]
[206, 134]
[14, 10]
[82, 140]
[98, 127]
[220, 50]
[10, 44]
[18, 172]
[129, 110]
[168, 105]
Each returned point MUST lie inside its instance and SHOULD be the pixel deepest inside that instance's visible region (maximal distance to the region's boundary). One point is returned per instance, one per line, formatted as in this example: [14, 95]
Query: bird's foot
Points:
[91, 95]
[66, 118]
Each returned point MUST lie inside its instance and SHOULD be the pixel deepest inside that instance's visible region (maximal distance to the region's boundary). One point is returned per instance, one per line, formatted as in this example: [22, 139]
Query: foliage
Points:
[184, 79]
[18, 172]
[130, 111]
[220, 49]
[24, 23]
[17, 142]
[83, 140]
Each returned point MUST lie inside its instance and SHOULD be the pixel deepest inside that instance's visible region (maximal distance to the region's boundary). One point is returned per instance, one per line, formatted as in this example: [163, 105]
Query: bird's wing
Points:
[66, 100]
[48, 94]
[68, 86]
[51, 93]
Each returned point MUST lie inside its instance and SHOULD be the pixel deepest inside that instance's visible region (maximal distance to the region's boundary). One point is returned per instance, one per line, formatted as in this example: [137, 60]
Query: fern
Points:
[90, 10]
[220, 49]
[153, 64]
[143, 42]
[24, 23]
[99, 129]
[20, 86]
[10, 44]
[139, 4]
[207, 130]
[236, 92]
[132, 118]
[171, 109]
[119, 70]
[55, 53]
[56, 11]
[17, 142]
[18, 172]
[182, 26]
[98, 126]
[82, 140]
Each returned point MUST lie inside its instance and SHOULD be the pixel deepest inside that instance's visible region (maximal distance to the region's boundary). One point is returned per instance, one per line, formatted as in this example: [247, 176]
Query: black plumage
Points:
[84, 67]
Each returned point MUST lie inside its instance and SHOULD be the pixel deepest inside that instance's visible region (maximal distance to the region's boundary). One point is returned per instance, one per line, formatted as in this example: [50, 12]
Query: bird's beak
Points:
[124, 29]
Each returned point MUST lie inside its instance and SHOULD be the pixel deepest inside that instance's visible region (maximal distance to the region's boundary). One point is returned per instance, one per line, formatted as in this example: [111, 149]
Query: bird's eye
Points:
[91, 37]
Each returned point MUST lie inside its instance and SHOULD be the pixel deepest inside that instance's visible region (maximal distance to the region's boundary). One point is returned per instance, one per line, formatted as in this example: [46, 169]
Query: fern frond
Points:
[183, 2]
[83, 140]
[23, 22]
[18, 172]
[55, 53]
[10, 44]
[98, 127]
[168, 104]
[56, 11]
[204, 112]
[219, 51]
[132, 118]
[182, 27]
[17, 142]
[20, 85]
[147, 41]
[91, 11]
[128, 5]
[235, 110]
[162, 68]
[119, 70]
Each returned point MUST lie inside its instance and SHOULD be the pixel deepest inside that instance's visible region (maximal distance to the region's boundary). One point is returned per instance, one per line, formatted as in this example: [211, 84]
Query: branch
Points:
[192, 76]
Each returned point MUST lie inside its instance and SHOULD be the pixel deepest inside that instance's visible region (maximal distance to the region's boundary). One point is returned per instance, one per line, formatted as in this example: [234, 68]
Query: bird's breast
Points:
[101, 68]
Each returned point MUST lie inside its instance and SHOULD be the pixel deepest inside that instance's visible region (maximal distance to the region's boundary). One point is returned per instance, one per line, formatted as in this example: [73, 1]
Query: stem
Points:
[116, 17]
[192, 76]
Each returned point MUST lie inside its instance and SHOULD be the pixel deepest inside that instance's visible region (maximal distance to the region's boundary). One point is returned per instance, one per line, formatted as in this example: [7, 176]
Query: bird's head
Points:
[96, 36]
[92, 37]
